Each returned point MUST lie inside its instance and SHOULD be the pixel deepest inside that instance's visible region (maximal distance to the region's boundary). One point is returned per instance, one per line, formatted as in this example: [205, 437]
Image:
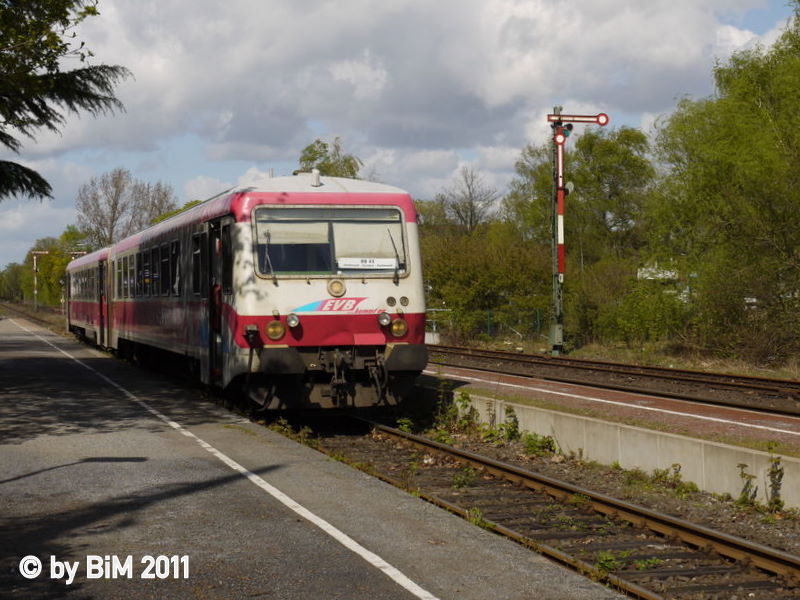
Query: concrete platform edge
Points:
[712, 466]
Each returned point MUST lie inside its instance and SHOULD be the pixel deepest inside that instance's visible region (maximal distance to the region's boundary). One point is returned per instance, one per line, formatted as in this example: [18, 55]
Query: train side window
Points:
[139, 274]
[155, 263]
[196, 264]
[227, 261]
[146, 273]
[164, 270]
[118, 287]
[125, 277]
[175, 267]
[131, 275]
[204, 264]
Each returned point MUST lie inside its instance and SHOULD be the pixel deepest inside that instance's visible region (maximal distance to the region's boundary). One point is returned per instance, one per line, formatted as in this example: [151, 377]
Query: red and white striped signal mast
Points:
[561, 125]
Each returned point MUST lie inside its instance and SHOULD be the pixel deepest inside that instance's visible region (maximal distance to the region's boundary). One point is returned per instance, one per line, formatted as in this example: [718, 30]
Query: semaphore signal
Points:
[561, 125]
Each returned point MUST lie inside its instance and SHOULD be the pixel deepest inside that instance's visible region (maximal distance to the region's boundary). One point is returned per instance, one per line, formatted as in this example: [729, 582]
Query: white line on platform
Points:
[376, 561]
[624, 404]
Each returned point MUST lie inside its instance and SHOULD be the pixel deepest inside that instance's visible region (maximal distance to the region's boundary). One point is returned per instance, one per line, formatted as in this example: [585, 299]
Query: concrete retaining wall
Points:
[712, 466]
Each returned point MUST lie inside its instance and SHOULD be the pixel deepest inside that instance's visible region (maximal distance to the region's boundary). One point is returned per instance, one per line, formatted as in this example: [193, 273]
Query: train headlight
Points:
[292, 320]
[384, 319]
[399, 327]
[275, 330]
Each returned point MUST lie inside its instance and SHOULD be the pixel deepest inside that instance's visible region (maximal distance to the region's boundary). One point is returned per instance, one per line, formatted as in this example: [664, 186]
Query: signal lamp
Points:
[292, 320]
[384, 319]
[275, 330]
[399, 327]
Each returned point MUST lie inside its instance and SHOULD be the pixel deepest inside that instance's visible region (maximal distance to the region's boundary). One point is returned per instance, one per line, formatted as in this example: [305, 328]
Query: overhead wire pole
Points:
[561, 125]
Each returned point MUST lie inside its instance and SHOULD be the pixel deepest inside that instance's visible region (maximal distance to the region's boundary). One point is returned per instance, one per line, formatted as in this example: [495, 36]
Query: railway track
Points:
[759, 393]
[644, 553]
[28, 313]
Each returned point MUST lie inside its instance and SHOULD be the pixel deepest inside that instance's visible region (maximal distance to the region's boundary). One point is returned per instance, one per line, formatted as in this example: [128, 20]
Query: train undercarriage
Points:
[335, 377]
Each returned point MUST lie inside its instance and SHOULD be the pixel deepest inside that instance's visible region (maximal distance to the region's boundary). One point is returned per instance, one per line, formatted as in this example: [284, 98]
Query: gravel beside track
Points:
[599, 542]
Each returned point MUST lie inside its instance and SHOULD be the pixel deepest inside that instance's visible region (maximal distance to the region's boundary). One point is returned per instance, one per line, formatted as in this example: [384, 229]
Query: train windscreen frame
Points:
[316, 241]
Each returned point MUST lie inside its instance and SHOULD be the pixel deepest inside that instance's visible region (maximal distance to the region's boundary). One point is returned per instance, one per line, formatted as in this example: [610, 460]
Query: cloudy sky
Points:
[415, 88]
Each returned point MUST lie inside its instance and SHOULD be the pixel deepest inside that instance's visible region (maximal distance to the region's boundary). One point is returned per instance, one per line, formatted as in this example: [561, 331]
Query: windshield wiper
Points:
[397, 257]
[269, 260]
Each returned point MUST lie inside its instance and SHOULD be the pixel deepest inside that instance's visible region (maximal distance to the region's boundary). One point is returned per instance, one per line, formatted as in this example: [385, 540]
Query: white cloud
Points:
[403, 74]
[203, 187]
[414, 87]
[411, 73]
[25, 221]
[730, 39]
[368, 77]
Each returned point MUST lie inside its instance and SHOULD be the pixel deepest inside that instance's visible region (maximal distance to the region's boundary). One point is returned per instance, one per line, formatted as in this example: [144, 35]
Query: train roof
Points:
[303, 188]
[88, 259]
[305, 182]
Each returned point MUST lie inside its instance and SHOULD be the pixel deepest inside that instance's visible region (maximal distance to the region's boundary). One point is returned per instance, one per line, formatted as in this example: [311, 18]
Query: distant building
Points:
[655, 273]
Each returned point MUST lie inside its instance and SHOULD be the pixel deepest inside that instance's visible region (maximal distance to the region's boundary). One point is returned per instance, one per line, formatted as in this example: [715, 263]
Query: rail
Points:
[759, 393]
[718, 557]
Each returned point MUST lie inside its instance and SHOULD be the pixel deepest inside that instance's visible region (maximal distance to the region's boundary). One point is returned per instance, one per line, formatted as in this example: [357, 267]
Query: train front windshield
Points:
[325, 241]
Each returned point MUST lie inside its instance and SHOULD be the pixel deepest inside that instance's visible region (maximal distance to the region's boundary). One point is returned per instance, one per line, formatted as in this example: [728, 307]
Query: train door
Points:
[102, 300]
[220, 295]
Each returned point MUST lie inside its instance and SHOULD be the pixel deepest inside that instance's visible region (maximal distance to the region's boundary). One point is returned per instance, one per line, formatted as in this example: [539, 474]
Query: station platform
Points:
[120, 475]
[640, 431]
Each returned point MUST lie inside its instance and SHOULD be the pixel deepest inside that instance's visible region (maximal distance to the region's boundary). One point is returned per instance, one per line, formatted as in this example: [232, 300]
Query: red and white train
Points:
[303, 291]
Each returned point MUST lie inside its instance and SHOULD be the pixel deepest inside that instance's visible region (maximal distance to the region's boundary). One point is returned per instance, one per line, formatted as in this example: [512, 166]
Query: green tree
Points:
[11, 283]
[604, 219]
[727, 211]
[39, 288]
[36, 41]
[50, 269]
[487, 281]
[330, 159]
[528, 201]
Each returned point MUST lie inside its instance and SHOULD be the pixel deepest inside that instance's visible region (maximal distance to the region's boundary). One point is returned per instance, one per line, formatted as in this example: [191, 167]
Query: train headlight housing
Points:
[384, 319]
[275, 330]
[292, 320]
[399, 327]
[336, 288]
